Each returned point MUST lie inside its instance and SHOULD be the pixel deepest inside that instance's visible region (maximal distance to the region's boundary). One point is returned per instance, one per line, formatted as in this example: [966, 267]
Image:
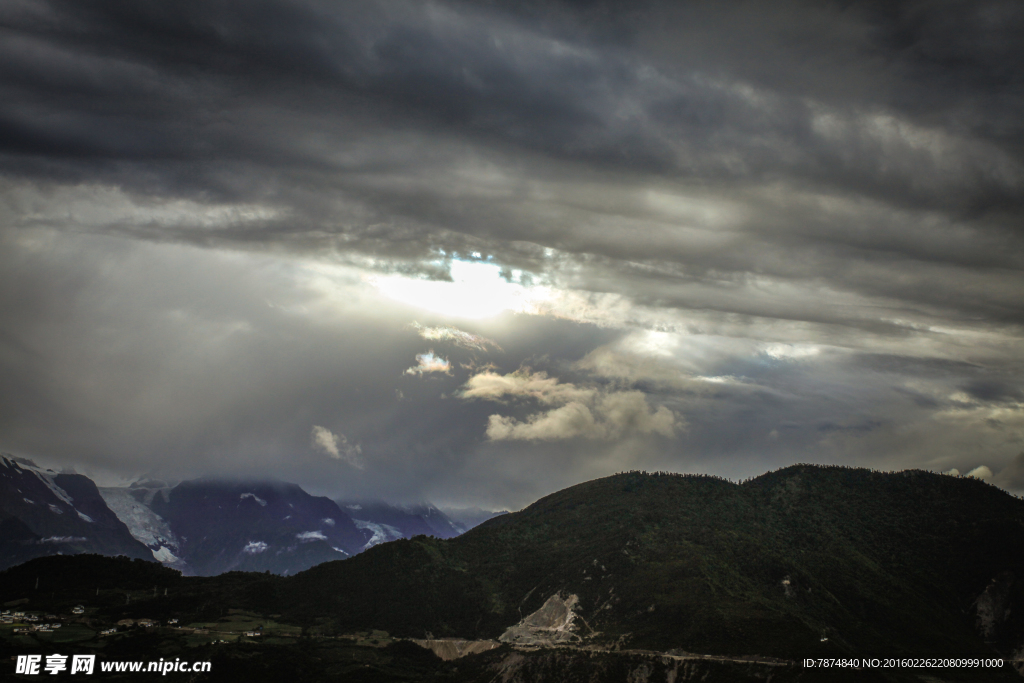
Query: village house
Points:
[78, 609]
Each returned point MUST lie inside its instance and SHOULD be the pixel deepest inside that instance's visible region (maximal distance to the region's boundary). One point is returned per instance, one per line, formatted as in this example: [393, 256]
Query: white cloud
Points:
[456, 336]
[62, 539]
[336, 446]
[576, 411]
[254, 547]
[571, 420]
[548, 390]
[982, 472]
[428, 362]
[307, 536]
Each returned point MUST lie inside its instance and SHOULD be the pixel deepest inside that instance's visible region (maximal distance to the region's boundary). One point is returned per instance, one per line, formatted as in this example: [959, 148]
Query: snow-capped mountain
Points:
[390, 522]
[43, 512]
[200, 527]
[208, 527]
[132, 506]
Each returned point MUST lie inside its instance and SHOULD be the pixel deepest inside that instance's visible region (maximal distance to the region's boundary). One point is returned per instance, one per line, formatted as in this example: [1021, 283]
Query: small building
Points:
[78, 609]
[126, 622]
[251, 634]
[172, 622]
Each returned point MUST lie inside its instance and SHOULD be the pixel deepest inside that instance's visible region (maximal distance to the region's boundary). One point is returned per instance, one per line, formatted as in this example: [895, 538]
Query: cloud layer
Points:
[587, 413]
[726, 237]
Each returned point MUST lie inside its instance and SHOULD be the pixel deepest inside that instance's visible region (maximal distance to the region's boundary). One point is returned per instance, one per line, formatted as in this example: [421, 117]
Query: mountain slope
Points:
[392, 522]
[804, 561]
[467, 518]
[45, 513]
[256, 526]
[132, 506]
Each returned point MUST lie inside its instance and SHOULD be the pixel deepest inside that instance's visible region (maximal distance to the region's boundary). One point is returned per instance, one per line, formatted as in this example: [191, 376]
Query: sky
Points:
[476, 252]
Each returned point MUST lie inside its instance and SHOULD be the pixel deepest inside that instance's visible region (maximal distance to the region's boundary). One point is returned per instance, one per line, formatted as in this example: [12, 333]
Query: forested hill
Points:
[805, 559]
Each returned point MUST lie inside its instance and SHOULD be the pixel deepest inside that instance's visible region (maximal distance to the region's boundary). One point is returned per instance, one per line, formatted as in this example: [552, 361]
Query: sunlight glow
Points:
[477, 291]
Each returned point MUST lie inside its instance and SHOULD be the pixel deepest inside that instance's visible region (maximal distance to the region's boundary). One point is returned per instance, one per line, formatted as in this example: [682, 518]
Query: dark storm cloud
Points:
[822, 200]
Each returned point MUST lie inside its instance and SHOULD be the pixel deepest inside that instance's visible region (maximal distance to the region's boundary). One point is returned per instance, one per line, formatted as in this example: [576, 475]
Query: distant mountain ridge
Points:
[207, 527]
[46, 513]
[470, 517]
[200, 527]
[391, 522]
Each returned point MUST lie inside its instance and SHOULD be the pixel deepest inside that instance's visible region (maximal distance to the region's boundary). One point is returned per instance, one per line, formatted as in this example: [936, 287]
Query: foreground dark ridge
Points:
[806, 561]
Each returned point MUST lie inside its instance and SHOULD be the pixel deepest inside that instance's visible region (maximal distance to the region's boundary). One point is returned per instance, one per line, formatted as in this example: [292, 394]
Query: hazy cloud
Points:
[456, 336]
[336, 446]
[795, 227]
[1012, 476]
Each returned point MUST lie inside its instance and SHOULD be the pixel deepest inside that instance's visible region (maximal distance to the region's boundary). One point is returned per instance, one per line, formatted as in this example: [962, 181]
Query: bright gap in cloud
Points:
[477, 290]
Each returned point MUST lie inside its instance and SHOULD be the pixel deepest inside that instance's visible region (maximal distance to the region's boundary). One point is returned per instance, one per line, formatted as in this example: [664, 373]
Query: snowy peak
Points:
[198, 527]
[131, 507]
[208, 527]
[43, 512]
[24, 465]
[389, 522]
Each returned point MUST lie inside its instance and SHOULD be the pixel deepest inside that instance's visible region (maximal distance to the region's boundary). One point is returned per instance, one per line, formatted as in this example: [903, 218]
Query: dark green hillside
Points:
[876, 563]
[119, 588]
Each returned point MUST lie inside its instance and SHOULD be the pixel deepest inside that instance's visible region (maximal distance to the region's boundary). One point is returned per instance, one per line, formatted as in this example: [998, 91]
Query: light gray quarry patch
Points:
[552, 624]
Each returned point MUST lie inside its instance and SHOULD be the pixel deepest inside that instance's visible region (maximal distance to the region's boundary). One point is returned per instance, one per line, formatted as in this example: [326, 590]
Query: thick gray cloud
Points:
[793, 229]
